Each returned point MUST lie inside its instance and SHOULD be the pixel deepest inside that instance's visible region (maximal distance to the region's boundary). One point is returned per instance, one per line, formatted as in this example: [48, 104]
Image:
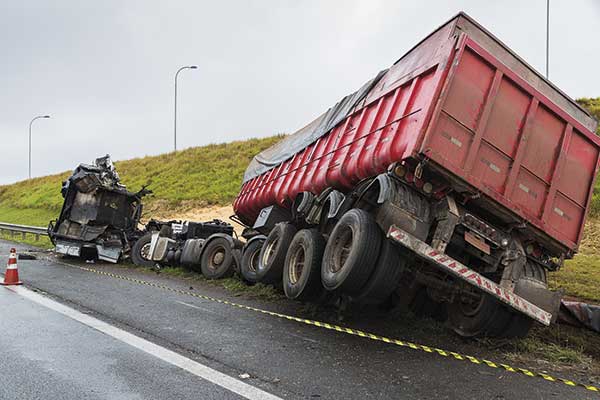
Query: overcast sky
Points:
[104, 69]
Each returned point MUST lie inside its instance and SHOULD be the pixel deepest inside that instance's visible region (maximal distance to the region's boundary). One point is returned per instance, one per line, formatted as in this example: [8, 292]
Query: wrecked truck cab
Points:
[99, 217]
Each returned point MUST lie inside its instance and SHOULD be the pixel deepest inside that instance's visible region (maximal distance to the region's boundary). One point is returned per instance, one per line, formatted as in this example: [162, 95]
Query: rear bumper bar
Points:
[461, 271]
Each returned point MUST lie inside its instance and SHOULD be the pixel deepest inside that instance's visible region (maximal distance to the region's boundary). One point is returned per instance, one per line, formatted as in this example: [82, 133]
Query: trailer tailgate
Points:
[498, 133]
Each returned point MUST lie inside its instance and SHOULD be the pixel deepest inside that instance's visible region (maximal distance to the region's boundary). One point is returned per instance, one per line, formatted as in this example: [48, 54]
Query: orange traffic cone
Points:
[11, 277]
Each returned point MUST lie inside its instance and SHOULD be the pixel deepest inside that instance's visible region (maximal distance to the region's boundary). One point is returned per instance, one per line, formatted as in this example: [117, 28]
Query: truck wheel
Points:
[302, 269]
[493, 318]
[384, 280]
[249, 264]
[140, 252]
[477, 315]
[518, 326]
[272, 254]
[351, 252]
[217, 259]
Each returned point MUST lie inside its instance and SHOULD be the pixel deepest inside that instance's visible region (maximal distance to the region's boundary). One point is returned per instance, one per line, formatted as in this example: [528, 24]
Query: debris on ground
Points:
[580, 314]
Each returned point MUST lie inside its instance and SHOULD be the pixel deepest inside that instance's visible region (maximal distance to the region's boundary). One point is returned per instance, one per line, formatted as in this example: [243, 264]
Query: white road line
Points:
[194, 367]
[196, 307]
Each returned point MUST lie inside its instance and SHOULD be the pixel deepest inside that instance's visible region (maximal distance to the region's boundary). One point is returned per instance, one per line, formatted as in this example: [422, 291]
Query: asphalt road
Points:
[45, 352]
[46, 355]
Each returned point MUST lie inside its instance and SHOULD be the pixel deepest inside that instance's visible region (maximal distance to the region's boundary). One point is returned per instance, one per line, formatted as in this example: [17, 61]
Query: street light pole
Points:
[175, 113]
[30, 123]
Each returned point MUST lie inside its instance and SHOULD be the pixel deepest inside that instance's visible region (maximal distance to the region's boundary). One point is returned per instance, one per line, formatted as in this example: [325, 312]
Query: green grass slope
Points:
[593, 106]
[199, 176]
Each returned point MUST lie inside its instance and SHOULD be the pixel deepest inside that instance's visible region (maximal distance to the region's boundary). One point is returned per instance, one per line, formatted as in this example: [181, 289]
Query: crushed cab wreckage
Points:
[99, 217]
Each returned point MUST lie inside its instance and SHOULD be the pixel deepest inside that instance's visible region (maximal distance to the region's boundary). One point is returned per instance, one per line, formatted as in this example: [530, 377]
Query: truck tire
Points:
[141, 251]
[272, 254]
[384, 280]
[422, 305]
[351, 252]
[302, 268]
[217, 259]
[518, 326]
[483, 316]
[494, 318]
[249, 264]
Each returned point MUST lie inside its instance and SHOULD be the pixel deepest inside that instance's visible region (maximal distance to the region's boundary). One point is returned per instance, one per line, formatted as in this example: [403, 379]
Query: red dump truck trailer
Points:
[452, 181]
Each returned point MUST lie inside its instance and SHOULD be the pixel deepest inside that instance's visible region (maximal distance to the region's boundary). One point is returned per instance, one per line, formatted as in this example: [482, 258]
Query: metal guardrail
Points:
[14, 229]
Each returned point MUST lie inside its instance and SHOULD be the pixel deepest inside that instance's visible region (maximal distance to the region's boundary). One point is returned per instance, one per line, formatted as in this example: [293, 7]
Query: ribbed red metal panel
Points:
[361, 146]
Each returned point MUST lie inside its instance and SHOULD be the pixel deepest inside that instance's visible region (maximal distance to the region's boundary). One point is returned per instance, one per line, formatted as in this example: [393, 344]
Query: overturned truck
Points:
[452, 182]
[99, 218]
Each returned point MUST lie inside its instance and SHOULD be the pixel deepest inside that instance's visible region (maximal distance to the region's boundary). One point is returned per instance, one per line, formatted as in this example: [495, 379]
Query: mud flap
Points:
[109, 254]
[535, 293]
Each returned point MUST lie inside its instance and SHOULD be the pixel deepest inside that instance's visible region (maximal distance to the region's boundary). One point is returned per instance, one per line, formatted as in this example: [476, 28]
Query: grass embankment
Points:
[195, 177]
[27, 216]
[580, 277]
[207, 175]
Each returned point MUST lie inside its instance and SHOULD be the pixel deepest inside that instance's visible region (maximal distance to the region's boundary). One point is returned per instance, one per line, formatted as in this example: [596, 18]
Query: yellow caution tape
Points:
[350, 331]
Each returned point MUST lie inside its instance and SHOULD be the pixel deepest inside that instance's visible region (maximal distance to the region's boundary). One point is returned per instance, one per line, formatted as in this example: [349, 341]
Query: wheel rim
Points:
[343, 245]
[216, 258]
[253, 264]
[145, 251]
[297, 263]
[471, 305]
[269, 251]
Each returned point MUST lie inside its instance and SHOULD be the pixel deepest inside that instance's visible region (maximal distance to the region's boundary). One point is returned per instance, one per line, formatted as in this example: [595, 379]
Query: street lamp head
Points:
[45, 116]
[193, 67]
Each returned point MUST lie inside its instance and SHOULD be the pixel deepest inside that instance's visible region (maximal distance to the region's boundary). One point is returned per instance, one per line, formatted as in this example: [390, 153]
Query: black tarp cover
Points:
[294, 143]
